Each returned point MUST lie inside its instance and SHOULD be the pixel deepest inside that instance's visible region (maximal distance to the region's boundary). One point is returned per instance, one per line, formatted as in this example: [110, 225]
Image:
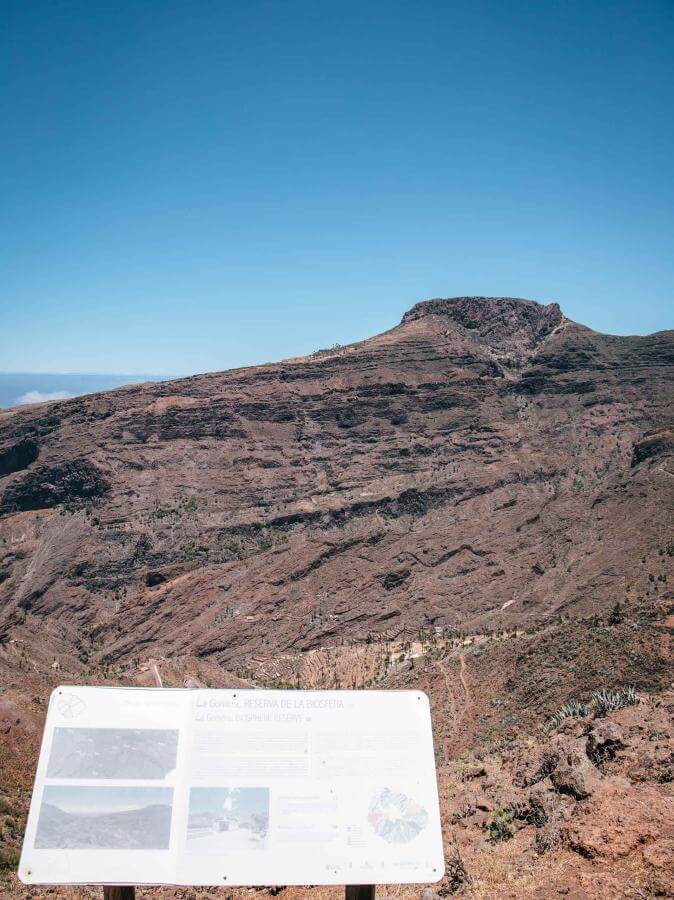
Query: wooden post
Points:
[359, 892]
[119, 892]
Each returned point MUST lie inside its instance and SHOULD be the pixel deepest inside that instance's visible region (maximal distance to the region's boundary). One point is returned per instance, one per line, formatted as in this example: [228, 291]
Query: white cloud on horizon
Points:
[41, 397]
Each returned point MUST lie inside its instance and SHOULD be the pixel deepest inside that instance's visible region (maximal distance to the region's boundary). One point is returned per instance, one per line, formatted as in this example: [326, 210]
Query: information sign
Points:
[234, 787]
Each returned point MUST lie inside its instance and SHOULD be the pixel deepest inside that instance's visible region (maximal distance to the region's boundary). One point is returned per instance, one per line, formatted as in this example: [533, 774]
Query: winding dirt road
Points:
[458, 708]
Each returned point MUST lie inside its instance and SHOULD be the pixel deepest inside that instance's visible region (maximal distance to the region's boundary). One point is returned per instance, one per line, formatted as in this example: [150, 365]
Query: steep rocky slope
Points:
[457, 503]
[486, 463]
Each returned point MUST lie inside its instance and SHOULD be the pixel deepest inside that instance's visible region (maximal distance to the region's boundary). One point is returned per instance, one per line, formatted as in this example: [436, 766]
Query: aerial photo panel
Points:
[124, 753]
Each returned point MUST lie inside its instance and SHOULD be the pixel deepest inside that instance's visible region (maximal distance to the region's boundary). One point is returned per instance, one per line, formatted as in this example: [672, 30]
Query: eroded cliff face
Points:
[487, 463]
[477, 503]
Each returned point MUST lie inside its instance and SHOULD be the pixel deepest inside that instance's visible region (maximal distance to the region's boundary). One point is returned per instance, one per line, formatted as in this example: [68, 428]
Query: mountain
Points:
[476, 502]
[485, 464]
[145, 828]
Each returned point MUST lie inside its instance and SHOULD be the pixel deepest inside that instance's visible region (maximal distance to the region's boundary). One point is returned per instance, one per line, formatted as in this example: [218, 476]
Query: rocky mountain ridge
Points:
[459, 471]
[477, 502]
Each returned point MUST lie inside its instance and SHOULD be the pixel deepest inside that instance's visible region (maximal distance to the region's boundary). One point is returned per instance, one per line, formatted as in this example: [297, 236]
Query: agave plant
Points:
[570, 709]
[606, 701]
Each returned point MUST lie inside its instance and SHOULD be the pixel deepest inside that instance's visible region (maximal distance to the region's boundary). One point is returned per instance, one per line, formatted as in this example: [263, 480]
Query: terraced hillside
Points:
[477, 502]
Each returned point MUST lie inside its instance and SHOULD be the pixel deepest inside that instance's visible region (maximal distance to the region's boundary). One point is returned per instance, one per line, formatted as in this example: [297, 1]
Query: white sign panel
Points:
[216, 787]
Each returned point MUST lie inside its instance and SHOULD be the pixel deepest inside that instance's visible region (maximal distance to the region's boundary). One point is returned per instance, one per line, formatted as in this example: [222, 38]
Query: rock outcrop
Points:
[486, 464]
[477, 503]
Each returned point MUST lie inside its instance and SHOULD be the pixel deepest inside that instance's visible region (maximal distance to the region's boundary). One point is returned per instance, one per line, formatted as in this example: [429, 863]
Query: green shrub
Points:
[616, 615]
[323, 350]
[456, 873]
[502, 825]
[9, 858]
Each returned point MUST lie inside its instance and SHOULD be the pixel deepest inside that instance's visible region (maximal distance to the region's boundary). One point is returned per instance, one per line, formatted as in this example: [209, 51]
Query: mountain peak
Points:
[493, 318]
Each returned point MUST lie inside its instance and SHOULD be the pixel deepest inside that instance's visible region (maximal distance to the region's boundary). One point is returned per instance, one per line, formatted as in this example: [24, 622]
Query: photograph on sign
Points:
[74, 818]
[112, 753]
[238, 787]
[222, 820]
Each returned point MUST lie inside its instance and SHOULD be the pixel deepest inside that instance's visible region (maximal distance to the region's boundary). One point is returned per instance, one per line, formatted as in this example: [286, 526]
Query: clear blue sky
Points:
[189, 186]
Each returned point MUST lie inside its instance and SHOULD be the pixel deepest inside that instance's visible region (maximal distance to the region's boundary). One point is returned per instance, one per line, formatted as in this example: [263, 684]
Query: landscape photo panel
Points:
[104, 818]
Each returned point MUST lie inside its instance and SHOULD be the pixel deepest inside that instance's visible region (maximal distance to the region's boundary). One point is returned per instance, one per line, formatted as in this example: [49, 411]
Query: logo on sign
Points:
[70, 706]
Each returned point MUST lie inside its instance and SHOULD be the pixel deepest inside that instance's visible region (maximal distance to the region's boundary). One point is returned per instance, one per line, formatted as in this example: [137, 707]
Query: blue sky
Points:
[191, 186]
[243, 801]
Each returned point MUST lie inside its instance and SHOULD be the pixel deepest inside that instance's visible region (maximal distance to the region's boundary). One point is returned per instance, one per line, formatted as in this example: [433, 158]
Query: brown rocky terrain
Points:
[477, 502]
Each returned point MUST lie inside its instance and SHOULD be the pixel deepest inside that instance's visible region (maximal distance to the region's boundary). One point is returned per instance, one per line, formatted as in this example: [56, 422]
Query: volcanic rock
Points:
[473, 468]
[457, 505]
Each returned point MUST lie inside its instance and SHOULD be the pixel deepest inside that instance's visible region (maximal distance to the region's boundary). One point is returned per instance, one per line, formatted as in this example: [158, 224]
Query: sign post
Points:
[234, 788]
[351, 892]
[359, 892]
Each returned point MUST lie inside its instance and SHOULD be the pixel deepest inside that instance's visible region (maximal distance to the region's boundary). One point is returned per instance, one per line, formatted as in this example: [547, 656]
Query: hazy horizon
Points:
[25, 388]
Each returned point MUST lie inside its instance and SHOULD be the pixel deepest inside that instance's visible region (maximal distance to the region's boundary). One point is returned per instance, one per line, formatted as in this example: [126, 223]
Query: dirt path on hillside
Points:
[464, 684]
[459, 709]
